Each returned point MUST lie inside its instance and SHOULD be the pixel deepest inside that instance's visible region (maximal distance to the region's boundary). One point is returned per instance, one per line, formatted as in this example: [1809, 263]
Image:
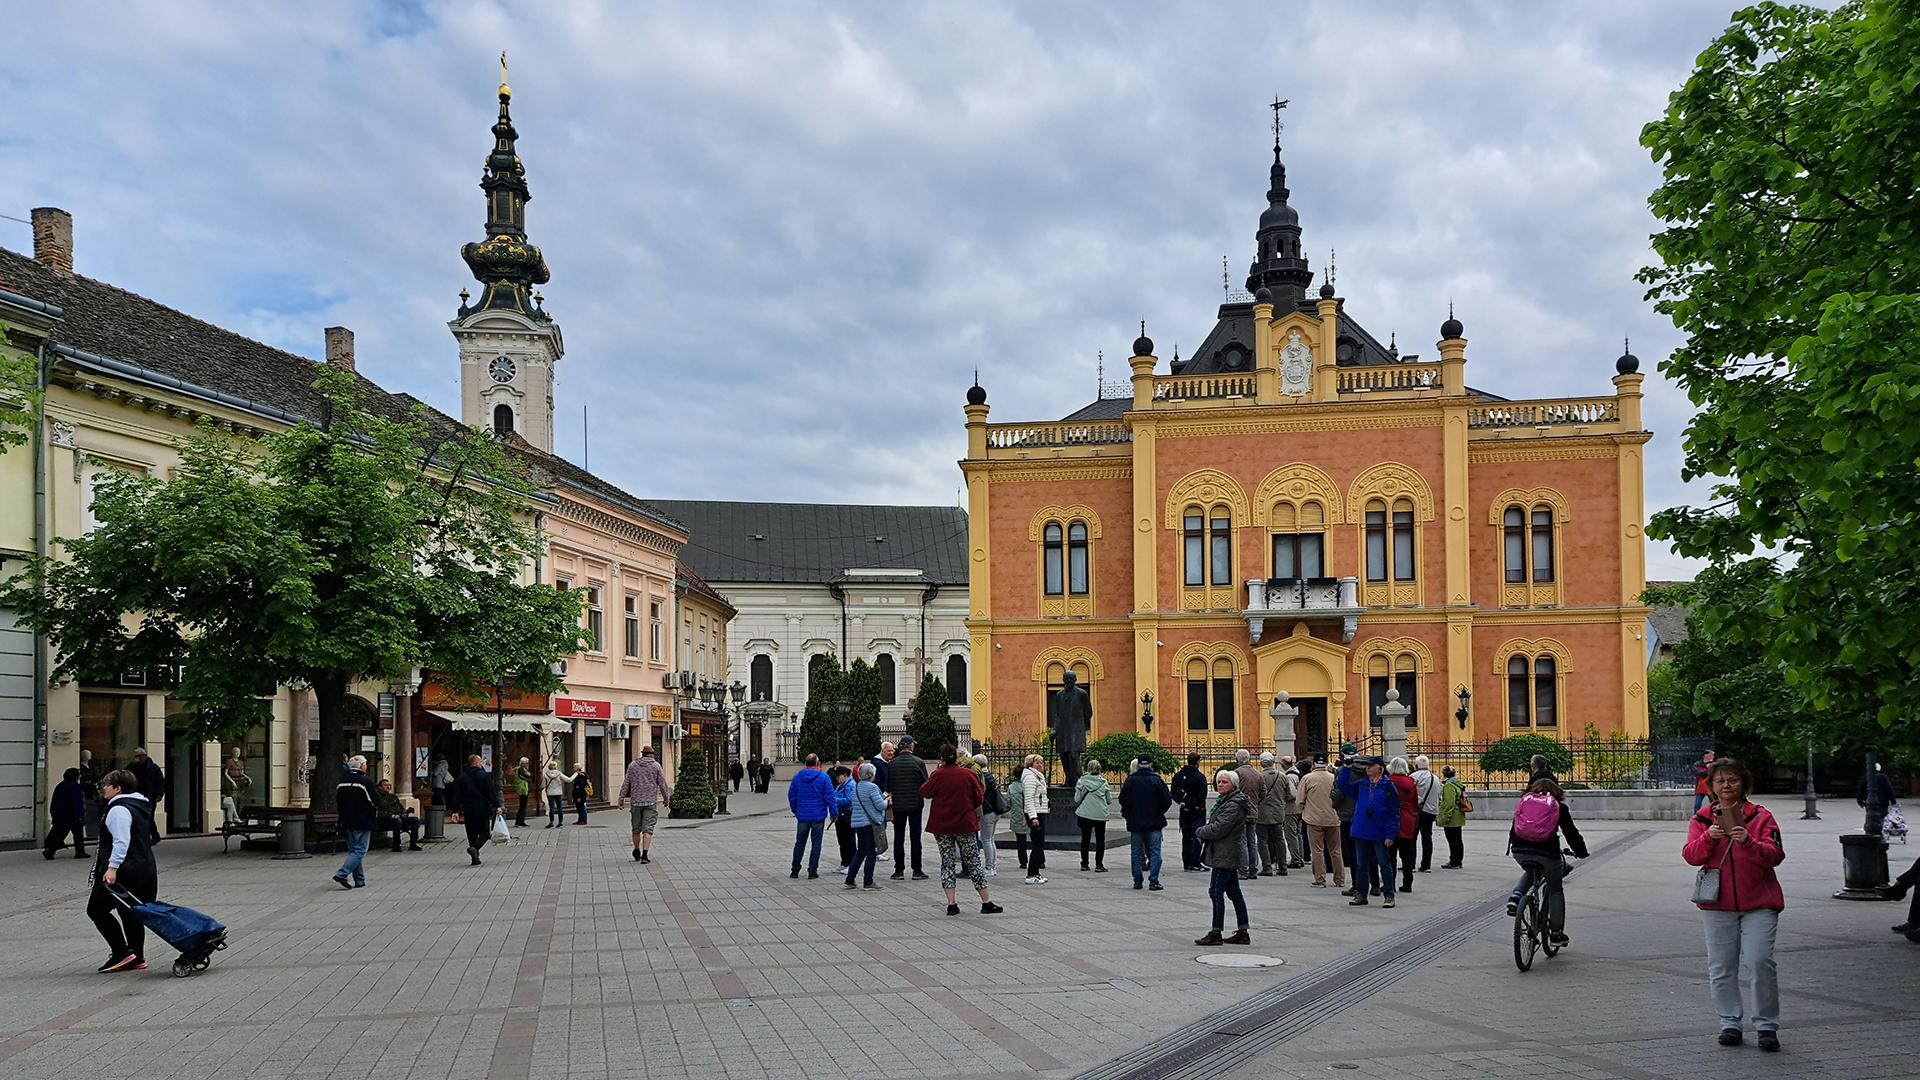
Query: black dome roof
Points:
[1452, 328]
[976, 395]
[1326, 290]
[1628, 363]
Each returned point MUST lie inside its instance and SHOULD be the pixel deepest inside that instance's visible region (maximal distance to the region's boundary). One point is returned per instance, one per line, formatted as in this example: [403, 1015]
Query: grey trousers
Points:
[1734, 936]
[1273, 845]
[1249, 849]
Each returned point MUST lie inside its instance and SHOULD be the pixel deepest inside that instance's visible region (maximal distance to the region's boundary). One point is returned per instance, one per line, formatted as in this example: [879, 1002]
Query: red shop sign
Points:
[567, 708]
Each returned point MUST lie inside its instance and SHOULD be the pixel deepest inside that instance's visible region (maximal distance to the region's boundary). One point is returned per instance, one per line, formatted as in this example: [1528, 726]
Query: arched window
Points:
[1528, 536]
[1195, 528]
[1220, 546]
[503, 420]
[1398, 672]
[1533, 692]
[956, 679]
[1542, 544]
[1210, 694]
[1299, 540]
[760, 678]
[888, 683]
[1514, 528]
[1077, 558]
[814, 664]
[1056, 680]
[1053, 558]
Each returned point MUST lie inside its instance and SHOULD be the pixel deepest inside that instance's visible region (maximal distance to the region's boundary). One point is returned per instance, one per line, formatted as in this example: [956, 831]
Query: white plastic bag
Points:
[500, 832]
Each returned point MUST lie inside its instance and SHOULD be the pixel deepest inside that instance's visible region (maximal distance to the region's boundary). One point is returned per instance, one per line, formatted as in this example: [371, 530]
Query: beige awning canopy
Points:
[467, 721]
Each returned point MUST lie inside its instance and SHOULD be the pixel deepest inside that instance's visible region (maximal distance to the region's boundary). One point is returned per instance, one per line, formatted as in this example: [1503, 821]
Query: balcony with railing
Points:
[1205, 388]
[1024, 440]
[1303, 598]
[1389, 379]
[1496, 418]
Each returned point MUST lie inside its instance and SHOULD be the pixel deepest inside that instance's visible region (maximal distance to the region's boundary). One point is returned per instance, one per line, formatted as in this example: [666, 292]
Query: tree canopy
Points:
[352, 549]
[930, 721]
[1790, 258]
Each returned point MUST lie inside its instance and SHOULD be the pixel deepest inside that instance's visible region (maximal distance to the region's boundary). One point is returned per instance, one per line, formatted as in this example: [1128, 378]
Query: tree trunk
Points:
[329, 694]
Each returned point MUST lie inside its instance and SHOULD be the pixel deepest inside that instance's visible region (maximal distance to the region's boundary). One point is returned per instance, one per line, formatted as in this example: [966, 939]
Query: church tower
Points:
[508, 343]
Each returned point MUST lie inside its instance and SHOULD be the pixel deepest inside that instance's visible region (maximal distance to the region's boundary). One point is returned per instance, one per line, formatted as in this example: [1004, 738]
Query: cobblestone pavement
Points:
[562, 957]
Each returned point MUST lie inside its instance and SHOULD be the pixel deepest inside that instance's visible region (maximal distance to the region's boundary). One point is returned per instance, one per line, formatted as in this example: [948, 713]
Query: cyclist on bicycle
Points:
[1536, 847]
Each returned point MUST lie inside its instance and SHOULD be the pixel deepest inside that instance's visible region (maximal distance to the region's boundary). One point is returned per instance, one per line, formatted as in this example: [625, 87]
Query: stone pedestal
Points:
[1863, 862]
[1061, 830]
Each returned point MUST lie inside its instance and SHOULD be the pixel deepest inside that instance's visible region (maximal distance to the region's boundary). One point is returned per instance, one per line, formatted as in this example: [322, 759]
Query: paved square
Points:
[562, 957]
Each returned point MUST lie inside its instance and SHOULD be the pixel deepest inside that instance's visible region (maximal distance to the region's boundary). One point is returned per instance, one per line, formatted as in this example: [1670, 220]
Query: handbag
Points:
[879, 839]
[1706, 880]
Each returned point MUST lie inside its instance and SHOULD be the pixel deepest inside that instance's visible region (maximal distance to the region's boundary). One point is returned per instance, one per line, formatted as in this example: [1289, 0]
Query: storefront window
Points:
[244, 775]
[111, 728]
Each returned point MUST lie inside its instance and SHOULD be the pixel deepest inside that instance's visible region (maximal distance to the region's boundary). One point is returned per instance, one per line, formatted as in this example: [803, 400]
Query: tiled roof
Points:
[1669, 623]
[696, 584]
[119, 325]
[819, 542]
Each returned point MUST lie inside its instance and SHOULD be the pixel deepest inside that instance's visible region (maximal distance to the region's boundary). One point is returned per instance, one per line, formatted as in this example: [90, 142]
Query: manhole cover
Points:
[1239, 960]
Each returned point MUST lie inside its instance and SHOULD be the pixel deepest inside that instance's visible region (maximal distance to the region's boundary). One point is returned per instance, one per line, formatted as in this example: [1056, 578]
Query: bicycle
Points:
[1530, 934]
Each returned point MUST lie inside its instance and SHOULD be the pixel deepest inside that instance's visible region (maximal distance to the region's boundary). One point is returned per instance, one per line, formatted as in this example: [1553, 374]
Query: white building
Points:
[886, 584]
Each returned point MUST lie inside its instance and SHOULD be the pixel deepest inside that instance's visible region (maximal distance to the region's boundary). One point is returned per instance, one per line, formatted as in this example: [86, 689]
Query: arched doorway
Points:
[1310, 670]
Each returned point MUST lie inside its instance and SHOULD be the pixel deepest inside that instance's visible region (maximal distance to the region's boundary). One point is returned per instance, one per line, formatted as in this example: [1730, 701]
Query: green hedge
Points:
[1117, 752]
[1515, 754]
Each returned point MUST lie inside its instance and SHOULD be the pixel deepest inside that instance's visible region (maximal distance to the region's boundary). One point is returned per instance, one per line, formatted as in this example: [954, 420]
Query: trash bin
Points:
[436, 824]
[1863, 863]
[293, 838]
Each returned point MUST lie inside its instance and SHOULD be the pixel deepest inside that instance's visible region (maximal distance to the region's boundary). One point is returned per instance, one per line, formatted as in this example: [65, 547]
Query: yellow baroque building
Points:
[1296, 507]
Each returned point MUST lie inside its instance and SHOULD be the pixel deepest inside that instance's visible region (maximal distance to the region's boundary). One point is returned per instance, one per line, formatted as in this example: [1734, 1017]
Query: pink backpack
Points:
[1536, 817]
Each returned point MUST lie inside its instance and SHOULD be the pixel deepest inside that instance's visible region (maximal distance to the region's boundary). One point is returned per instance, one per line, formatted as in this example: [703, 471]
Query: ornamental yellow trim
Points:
[1388, 481]
[1065, 515]
[1529, 498]
[1297, 482]
[1532, 648]
[1209, 651]
[1067, 656]
[1206, 488]
[1391, 647]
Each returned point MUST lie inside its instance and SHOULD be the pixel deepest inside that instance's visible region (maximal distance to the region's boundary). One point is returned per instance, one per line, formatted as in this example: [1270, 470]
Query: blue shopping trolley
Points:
[196, 935]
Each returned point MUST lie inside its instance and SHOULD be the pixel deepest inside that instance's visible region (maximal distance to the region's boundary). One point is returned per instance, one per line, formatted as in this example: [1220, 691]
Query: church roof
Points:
[816, 543]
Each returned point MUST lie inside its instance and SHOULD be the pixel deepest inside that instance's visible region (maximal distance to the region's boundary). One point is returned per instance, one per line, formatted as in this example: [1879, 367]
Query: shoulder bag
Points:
[1706, 880]
[879, 839]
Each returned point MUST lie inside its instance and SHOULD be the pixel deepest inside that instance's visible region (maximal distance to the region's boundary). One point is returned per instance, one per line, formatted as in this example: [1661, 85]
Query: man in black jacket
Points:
[905, 774]
[1190, 791]
[1144, 800]
[354, 802]
[153, 784]
[474, 794]
[68, 807]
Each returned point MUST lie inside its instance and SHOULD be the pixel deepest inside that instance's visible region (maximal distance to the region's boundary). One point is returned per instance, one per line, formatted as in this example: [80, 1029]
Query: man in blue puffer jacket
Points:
[810, 797]
[1376, 825]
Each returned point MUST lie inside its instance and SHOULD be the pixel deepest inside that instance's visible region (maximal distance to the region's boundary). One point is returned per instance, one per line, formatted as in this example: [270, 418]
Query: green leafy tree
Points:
[356, 548]
[1790, 259]
[861, 732]
[930, 721]
[1118, 753]
[19, 396]
[693, 788]
[821, 730]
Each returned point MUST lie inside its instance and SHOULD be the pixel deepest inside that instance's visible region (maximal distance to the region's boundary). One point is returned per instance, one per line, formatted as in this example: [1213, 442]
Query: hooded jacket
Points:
[810, 795]
[1093, 798]
[1747, 880]
[1272, 807]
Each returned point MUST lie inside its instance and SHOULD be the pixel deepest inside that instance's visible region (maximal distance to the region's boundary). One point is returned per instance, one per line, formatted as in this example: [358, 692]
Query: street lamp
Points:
[1146, 710]
[1812, 812]
[1460, 713]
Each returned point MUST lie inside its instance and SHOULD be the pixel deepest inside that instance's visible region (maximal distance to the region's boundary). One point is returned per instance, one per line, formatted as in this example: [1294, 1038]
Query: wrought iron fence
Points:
[1597, 763]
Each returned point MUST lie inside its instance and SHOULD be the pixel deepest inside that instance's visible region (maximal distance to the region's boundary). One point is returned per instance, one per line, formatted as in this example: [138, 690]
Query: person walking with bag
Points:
[1452, 818]
[477, 799]
[955, 793]
[867, 811]
[1232, 817]
[1144, 800]
[1033, 797]
[123, 863]
[1736, 844]
[990, 814]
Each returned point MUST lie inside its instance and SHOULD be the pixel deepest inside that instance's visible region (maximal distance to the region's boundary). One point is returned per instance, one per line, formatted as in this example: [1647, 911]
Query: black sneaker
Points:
[645, 857]
[636, 854]
[917, 876]
[852, 885]
[1560, 941]
[1155, 887]
[1730, 1037]
[811, 874]
[991, 908]
[899, 875]
[1769, 1041]
[343, 883]
[953, 909]
[116, 963]
[794, 873]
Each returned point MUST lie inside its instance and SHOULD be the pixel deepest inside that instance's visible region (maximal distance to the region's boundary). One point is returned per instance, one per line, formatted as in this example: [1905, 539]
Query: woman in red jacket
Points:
[1409, 818]
[1741, 841]
[955, 794]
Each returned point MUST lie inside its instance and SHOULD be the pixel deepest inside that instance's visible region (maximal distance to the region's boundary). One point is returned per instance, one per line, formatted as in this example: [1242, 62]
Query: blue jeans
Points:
[1699, 800]
[556, 809]
[803, 831]
[1146, 856]
[1371, 857]
[1224, 886]
[864, 856]
[357, 841]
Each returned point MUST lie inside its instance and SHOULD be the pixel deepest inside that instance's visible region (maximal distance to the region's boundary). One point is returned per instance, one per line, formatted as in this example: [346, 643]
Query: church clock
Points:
[501, 369]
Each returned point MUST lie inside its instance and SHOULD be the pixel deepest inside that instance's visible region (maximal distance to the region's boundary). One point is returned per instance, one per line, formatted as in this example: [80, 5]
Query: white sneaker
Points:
[1036, 879]
[990, 871]
[883, 857]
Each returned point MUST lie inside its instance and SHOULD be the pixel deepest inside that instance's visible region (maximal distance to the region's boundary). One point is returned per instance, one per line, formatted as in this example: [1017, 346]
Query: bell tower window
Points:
[503, 420]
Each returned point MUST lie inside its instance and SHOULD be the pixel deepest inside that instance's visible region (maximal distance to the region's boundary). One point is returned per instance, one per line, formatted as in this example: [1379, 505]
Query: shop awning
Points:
[467, 721]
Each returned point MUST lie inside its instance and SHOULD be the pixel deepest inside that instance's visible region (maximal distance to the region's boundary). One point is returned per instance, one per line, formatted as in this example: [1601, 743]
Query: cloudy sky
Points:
[782, 239]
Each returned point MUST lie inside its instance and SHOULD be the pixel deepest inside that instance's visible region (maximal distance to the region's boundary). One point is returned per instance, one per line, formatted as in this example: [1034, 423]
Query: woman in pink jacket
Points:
[1742, 841]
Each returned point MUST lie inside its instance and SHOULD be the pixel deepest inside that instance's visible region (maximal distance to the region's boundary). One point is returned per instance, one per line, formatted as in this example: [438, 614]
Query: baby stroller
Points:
[197, 936]
[1894, 826]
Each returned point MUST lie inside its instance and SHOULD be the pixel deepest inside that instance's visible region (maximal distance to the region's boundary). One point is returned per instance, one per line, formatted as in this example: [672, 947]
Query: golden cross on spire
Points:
[505, 91]
[1277, 105]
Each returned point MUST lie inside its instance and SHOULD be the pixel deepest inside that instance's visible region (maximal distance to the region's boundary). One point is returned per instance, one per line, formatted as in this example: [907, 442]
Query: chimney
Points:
[340, 348]
[53, 239]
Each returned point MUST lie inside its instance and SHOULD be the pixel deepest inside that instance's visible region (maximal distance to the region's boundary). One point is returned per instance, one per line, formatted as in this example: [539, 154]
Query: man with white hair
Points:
[1270, 818]
[354, 802]
[1426, 790]
[1247, 781]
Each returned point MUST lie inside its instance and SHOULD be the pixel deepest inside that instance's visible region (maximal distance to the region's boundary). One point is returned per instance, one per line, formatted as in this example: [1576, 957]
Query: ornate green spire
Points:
[505, 265]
